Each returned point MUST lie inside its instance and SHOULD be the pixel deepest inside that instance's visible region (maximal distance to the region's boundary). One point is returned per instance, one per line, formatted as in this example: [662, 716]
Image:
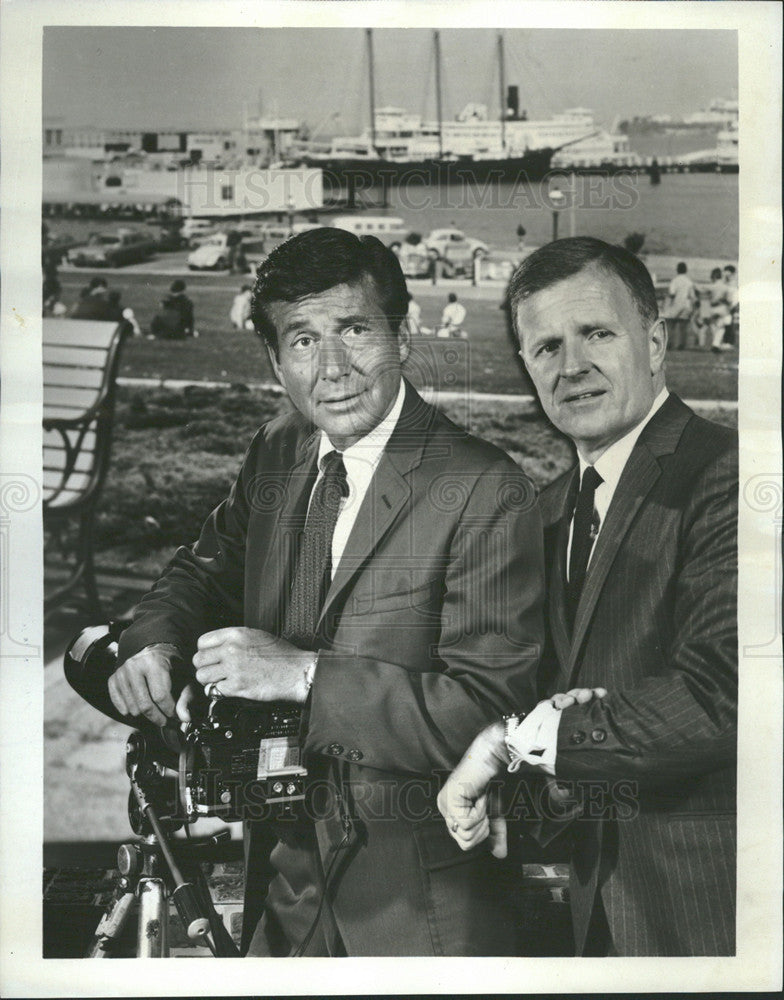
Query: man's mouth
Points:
[346, 398]
[578, 397]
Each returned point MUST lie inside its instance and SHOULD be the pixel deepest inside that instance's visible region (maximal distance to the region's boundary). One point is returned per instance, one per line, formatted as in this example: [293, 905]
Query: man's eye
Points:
[601, 334]
[549, 348]
[354, 333]
[302, 343]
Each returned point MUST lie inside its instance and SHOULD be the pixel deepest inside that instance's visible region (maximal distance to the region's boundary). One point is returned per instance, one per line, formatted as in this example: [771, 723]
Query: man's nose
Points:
[333, 359]
[574, 358]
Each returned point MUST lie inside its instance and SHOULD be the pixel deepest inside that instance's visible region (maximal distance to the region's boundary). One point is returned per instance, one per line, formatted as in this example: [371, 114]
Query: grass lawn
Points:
[176, 452]
[485, 363]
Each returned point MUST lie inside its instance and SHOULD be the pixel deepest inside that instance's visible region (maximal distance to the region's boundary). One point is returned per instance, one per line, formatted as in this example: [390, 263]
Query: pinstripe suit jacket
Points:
[656, 626]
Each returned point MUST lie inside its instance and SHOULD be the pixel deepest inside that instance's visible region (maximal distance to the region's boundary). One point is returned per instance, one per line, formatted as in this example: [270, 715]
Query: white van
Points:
[387, 228]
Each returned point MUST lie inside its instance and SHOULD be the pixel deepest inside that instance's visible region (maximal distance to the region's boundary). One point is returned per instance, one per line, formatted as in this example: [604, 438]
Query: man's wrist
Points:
[485, 758]
[167, 649]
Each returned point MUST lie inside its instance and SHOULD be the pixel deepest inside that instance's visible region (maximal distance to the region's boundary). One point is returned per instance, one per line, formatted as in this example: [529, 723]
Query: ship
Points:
[398, 147]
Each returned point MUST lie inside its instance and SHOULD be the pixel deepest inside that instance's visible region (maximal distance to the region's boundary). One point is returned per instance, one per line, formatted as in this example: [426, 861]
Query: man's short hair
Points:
[563, 259]
[452, 297]
[320, 259]
[681, 268]
[730, 268]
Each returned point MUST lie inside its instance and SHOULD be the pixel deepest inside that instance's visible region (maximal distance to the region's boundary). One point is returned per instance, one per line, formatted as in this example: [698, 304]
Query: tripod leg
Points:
[153, 919]
[111, 926]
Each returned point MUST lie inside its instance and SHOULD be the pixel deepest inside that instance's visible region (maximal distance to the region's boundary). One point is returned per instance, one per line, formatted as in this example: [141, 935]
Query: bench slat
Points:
[54, 459]
[61, 412]
[63, 499]
[77, 481]
[81, 357]
[81, 378]
[77, 400]
[53, 440]
[78, 332]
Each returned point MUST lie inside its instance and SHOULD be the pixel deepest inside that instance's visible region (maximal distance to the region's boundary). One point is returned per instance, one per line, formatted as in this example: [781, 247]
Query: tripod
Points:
[154, 871]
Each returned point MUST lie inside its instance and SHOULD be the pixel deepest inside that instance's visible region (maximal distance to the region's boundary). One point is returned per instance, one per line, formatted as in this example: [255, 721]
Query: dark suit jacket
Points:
[432, 627]
[657, 627]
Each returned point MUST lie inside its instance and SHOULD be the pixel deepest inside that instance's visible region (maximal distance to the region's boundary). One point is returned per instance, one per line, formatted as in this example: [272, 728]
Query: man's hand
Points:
[251, 663]
[463, 801]
[577, 696]
[143, 686]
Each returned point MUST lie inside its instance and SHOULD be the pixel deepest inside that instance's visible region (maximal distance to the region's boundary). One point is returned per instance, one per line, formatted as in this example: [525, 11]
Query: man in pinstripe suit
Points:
[640, 540]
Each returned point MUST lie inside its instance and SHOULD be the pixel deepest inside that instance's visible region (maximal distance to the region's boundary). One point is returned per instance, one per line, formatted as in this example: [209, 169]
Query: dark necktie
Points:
[586, 525]
[314, 564]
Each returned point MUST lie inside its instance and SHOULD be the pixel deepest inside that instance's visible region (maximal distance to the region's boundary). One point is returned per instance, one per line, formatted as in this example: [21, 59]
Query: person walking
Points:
[681, 303]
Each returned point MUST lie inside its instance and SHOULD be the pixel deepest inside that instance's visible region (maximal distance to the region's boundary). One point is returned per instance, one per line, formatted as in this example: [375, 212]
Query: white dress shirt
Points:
[535, 740]
[360, 460]
[610, 466]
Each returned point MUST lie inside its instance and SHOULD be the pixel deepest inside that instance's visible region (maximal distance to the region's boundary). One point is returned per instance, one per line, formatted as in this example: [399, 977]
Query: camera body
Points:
[241, 757]
[234, 761]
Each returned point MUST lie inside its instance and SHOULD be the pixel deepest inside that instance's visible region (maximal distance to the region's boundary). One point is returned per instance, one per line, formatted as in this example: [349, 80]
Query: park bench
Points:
[80, 362]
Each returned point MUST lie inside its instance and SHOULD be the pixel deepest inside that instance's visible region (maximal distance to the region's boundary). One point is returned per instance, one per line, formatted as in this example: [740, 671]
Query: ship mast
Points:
[372, 88]
[437, 46]
[502, 84]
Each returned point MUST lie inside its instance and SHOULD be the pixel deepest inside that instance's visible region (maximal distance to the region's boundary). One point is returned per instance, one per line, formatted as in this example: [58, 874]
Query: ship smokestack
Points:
[512, 102]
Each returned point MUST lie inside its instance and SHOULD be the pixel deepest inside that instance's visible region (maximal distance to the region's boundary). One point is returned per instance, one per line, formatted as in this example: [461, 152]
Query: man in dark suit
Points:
[640, 551]
[427, 624]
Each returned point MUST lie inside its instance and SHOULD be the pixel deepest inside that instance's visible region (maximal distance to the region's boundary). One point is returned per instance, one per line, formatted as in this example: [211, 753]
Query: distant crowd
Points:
[693, 324]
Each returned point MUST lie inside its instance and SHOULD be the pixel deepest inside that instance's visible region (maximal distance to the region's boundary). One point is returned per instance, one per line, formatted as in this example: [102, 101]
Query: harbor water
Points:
[694, 215]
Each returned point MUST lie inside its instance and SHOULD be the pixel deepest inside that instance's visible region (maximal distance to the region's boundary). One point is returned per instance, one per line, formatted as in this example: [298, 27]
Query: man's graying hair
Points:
[564, 258]
[320, 259]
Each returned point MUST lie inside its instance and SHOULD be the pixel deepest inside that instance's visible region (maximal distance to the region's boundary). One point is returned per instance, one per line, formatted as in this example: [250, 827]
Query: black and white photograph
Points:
[391, 497]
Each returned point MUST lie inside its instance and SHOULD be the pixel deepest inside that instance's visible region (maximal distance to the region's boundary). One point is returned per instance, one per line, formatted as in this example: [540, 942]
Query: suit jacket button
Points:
[599, 735]
[335, 749]
[355, 755]
[578, 736]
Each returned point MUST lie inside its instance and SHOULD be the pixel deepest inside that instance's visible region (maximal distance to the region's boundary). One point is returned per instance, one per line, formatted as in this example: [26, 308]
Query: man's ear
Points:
[404, 340]
[657, 345]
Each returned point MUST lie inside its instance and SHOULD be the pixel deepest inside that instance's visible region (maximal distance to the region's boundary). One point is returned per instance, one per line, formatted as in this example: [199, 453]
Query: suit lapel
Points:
[641, 472]
[559, 625]
[387, 494]
[285, 526]
[660, 437]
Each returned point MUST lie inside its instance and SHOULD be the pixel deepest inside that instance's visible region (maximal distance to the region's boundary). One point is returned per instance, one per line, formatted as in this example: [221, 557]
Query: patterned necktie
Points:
[314, 564]
[586, 526]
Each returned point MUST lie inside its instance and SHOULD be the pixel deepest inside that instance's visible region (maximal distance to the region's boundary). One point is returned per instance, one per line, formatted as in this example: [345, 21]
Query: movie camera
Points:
[237, 760]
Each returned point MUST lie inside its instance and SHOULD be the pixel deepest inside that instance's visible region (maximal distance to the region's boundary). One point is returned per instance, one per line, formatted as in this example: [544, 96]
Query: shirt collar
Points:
[369, 448]
[611, 463]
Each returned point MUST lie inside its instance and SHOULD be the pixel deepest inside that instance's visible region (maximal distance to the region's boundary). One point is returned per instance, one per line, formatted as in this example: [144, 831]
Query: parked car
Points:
[274, 234]
[444, 240]
[194, 228]
[169, 238]
[416, 260]
[126, 246]
[387, 228]
[214, 253]
[57, 246]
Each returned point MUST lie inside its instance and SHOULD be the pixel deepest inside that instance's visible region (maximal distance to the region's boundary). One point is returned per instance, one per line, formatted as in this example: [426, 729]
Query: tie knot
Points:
[591, 479]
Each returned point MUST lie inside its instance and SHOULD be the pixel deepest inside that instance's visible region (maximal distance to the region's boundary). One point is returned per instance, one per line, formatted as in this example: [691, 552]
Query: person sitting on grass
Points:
[175, 319]
[452, 318]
